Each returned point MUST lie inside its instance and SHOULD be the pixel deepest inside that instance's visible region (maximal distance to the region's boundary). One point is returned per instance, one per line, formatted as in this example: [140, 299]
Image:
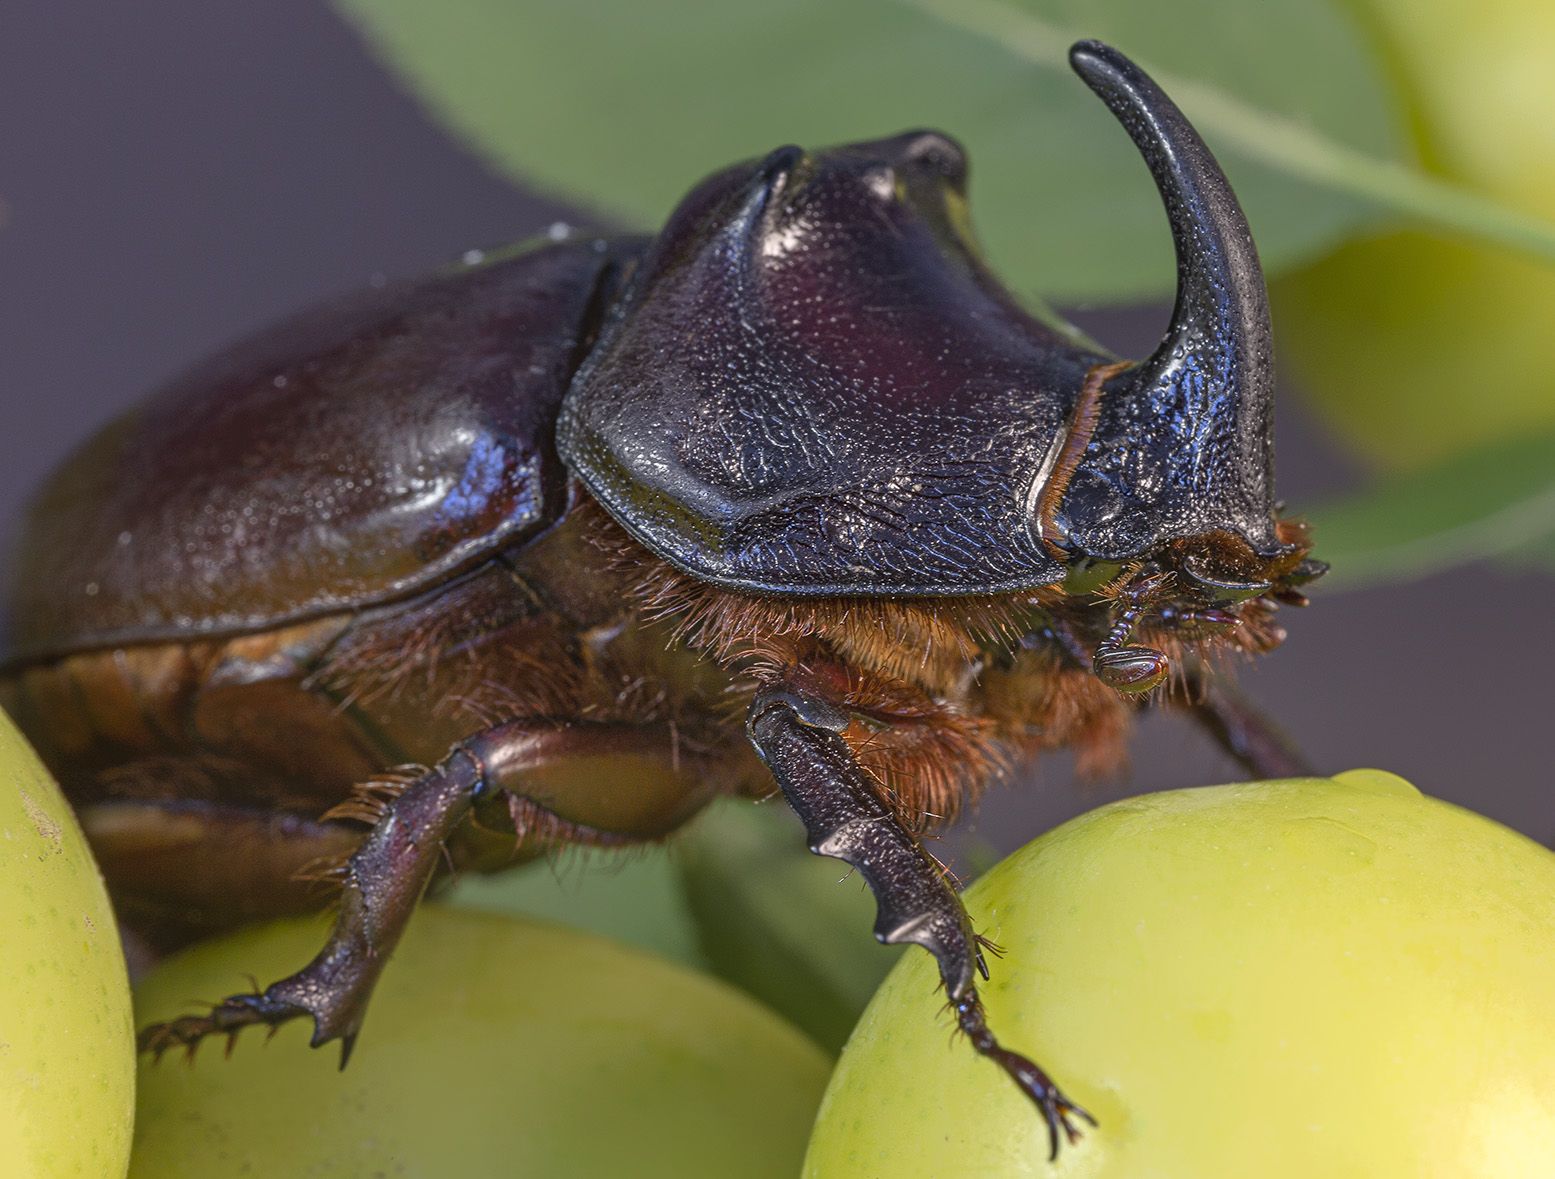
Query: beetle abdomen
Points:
[207, 772]
[342, 459]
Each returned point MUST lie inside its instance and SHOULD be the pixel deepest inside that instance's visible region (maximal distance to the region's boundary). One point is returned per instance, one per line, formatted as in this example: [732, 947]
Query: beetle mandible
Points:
[553, 548]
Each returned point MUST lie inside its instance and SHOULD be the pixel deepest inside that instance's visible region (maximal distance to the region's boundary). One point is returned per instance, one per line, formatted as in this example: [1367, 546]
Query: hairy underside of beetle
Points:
[949, 695]
[236, 760]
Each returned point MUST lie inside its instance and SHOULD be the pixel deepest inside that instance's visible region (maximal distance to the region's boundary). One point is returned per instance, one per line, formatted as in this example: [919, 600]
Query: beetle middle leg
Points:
[799, 737]
[384, 879]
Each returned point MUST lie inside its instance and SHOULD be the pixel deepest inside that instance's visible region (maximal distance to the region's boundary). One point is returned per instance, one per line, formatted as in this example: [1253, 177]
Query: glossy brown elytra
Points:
[554, 548]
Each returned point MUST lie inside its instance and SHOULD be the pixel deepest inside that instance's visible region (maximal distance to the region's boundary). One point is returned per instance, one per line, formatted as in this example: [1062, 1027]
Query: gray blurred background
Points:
[176, 174]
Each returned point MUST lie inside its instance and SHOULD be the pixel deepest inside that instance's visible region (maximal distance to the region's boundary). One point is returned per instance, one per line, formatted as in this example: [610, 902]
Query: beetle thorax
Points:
[947, 694]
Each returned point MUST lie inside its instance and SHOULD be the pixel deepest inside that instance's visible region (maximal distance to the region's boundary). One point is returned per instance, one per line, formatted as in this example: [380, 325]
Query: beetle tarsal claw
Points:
[227, 1018]
[1057, 1110]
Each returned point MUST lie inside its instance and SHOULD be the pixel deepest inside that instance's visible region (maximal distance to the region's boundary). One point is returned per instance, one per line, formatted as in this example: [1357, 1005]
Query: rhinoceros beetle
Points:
[480, 565]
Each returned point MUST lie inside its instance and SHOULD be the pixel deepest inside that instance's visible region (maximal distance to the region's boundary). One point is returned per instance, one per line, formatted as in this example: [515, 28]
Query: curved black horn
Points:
[1212, 375]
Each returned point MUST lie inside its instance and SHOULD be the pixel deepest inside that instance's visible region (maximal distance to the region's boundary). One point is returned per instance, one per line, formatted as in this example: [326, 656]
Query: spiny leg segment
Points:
[412, 818]
[798, 736]
[382, 883]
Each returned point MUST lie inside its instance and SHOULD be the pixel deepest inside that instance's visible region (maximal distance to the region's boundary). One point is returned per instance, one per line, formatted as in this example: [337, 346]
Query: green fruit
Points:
[494, 1047]
[67, 1046]
[1316, 977]
[1416, 346]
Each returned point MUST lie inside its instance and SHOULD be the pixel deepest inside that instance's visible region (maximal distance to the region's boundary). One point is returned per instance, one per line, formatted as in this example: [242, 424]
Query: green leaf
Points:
[623, 104]
[1288, 144]
[1493, 502]
[782, 924]
[633, 897]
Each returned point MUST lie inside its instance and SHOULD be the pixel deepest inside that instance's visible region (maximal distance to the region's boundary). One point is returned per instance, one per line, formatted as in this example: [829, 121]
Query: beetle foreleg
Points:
[799, 737]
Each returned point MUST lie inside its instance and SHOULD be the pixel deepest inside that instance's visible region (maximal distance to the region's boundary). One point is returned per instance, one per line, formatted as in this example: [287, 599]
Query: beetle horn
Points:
[1212, 376]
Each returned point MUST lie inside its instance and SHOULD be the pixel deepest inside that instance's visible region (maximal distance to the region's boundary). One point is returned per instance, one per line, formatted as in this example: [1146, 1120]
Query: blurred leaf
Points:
[634, 897]
[1240, 126]
[1493, 502]
[623, 104]
[781, 923]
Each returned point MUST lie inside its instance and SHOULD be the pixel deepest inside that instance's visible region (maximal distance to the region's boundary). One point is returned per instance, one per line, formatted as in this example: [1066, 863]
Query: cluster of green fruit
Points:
[1320, 976]
[1416, 346]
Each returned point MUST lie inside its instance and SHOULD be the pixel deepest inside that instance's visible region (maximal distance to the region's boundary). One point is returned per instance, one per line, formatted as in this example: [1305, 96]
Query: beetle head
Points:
[1179, 466]
[1182, 448]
